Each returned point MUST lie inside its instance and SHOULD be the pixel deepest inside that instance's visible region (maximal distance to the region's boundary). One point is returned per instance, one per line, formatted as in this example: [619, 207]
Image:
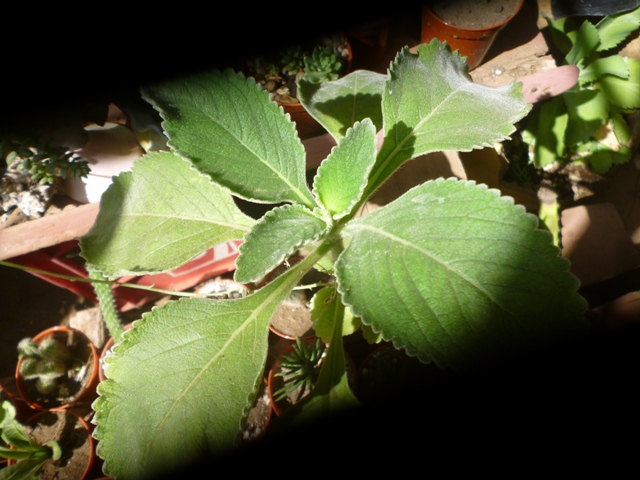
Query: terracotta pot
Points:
[84, 393]
[293, 317]
[106, 350]
[280, 406]
[472, 43]
[74, 449]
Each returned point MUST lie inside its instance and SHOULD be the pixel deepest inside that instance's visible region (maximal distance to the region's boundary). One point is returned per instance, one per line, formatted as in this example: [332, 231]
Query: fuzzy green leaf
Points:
[431, 104]
[322, 315]
[474, 282]
[342, 176]
[613, 65]
[339, 104]
[588, 111]
[624, 93]
[613, 29]
[227, 126]
[183, 379]
[274, 237]
[584, 44]
[159, 216]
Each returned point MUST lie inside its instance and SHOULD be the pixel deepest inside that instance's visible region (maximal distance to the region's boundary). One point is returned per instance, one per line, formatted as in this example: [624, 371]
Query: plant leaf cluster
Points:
[586, 123]
[29, 455]
[317, 61]
[45, 161]
[46, 362]
[451, 271]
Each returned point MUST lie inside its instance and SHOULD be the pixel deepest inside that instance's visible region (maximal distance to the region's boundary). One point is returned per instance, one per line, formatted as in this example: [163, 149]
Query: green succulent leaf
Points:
[601, 157]
[183, 379]
[476, 281]
[339, 104]
[26, 469]
[613, 29]
[584, 45]
[158, 217]
[227, 126]
[613, 65]
[431, 104]
[562, 32]
[278, 234]
[623, 92]
[588, 111]
[545, 131]
[620, 128]
[342, 176]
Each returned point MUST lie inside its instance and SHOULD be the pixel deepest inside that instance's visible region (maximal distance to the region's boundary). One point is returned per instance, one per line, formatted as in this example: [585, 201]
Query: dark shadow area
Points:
[558, 402]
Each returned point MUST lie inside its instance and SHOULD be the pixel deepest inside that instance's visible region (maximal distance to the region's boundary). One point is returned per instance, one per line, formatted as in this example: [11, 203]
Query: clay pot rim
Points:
[91, 384]
[498, 26]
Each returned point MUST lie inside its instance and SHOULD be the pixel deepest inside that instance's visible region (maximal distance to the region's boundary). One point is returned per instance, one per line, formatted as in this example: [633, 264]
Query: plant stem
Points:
[107, 304]
[109, 282]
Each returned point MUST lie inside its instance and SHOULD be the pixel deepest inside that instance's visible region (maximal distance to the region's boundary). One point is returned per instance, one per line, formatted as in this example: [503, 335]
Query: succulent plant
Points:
[300, 368]
[45, 162]
[324, 64]
[45, 362]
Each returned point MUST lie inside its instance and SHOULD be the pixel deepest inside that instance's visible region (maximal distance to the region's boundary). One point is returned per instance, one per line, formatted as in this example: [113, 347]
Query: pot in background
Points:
[471, 42]
[81, 348]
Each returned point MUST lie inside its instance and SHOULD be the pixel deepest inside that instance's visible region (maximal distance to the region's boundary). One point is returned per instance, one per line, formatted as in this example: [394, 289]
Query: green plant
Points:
[44, 160]
[586, 124]
[29, 455]
[323, 65]
[450, 271]
[318, 61]
[299, 368]
[46, 362]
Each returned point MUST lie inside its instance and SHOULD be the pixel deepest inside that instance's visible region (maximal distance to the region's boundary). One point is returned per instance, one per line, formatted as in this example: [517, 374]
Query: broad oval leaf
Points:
[159, 216]
[431, 104]
[337, 105]
[227, 126]
[278, 234]
[343, 175]
[183, 379]
[458, 275]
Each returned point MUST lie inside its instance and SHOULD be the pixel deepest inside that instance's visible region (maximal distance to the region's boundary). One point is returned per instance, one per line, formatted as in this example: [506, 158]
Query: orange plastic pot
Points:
[472, 43]
[85, 393]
